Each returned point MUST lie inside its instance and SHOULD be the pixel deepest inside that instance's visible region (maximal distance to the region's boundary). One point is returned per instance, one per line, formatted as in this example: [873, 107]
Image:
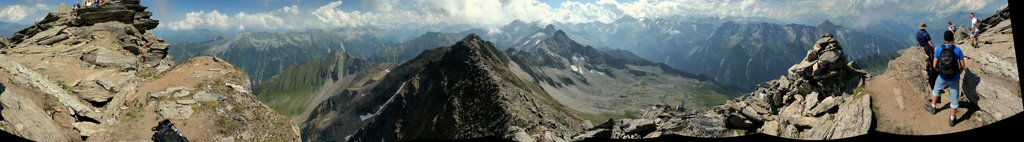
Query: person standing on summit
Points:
[925, 41]
[974, 30]
[949, 63]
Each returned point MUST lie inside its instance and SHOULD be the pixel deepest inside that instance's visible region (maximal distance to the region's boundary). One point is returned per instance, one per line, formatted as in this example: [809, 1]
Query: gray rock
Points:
[108, 58]
[752, 115]
[594, 133]
[238, 88]
[20, 74]
[770, 128]
[86, 128]
[181, 93]
[827, 104]
[186, 101]
[803, 121]
[53, 39]
[735, 120]
[203, 96]
[789, 131]
[172, 110]
[548, 136]
[170, 92]
[810, 101]
[853, 119]
[93, 91]
[640, 126]
[22, 117]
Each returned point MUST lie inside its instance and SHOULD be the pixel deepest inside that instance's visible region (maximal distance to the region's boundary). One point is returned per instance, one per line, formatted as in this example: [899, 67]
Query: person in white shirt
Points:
[974, 30]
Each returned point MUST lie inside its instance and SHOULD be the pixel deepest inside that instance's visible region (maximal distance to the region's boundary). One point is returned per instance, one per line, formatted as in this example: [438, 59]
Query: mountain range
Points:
[733, 53]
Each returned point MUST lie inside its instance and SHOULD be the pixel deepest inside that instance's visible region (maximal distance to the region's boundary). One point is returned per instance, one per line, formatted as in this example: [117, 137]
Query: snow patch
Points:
[365, 116]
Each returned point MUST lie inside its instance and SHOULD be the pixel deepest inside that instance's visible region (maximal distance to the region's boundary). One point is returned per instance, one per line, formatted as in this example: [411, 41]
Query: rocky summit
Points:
[99, 74]
[817, 100]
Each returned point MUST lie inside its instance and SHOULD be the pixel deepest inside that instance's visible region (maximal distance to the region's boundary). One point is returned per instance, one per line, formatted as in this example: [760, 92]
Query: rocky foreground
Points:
[99, 74]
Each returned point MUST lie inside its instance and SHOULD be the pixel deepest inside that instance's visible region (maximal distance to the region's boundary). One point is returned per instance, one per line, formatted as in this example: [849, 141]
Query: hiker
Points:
[949, 63]
[77, 6]
[925, 41]
[974, 30]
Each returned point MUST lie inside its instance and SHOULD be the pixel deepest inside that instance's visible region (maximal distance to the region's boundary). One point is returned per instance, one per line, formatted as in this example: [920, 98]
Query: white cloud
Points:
[18, 13]
[490, 14]
[240, 21]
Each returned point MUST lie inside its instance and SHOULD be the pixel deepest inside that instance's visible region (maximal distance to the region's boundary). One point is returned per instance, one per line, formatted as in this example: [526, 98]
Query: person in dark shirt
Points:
[924, 40]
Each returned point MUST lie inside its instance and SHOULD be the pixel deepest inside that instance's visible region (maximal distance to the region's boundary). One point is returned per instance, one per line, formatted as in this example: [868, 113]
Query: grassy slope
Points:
[289, 92]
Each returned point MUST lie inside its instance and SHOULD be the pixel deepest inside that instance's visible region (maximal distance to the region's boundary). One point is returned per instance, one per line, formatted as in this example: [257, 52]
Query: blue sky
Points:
[303, 14]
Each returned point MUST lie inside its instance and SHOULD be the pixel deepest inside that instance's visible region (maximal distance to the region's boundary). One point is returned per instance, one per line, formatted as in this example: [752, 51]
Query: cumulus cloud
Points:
[215, 20]
[490, 14]
[19, 13]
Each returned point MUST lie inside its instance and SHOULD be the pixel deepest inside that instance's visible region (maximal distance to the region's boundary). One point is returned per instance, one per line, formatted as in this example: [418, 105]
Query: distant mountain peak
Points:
[827, 23]
[560, 35]
[472, 37]
[626, 18]
[549, 27]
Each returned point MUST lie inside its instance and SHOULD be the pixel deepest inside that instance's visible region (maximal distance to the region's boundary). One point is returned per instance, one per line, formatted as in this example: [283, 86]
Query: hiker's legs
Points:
[939, 85]
[954, 96]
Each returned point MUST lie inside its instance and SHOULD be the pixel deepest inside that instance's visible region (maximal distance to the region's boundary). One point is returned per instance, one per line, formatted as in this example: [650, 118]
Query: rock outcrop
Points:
[816, 100]
[97, 74]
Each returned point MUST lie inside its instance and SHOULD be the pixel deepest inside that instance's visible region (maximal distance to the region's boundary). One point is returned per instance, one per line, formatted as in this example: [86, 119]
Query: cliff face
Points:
[98, 74]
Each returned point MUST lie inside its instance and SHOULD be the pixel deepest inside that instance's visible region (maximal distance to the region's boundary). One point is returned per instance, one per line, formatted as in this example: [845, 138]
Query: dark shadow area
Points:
[969, 89]
[7, 136]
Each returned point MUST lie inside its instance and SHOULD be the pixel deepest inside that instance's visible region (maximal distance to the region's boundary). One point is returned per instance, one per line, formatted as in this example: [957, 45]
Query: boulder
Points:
[770, 128]
[173, 110]
[810, 101]
[853, 119]
[93, 91]
[53, 39]
[752, 115]
[827, 104]
[170, 91]
[735, 120]
[203, 96]
[86, 128]
[640, 126]
[22, 117]
[24, 76]
[108, 58]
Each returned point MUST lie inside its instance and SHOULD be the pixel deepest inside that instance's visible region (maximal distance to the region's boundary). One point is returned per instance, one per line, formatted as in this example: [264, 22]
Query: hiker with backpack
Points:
[925, 41]
[949, 63]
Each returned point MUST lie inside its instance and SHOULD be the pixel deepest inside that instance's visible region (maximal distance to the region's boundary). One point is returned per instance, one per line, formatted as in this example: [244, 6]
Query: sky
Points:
[271, 15]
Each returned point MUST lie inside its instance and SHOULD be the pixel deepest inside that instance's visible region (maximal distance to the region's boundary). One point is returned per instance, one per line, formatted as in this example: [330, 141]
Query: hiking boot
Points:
[951, 121]
[928, 107]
